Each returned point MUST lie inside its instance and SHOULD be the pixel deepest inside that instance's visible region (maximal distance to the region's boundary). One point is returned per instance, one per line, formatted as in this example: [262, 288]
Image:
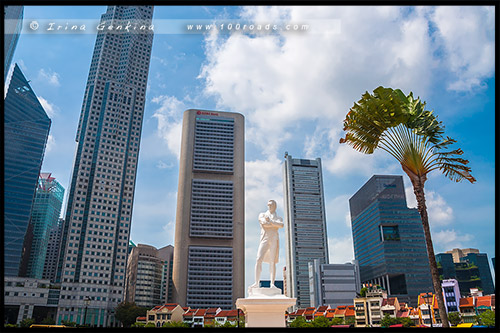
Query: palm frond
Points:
[401, 126]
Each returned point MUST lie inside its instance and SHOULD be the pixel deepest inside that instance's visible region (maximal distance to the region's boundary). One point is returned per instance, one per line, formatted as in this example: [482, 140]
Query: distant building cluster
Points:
[80, 267]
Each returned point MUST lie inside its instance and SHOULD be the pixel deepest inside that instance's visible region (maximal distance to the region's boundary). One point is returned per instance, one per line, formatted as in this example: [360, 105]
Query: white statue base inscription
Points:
[265, 307]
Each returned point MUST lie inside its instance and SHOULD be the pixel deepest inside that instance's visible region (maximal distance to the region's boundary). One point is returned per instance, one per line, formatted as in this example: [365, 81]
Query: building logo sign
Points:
[207, 113]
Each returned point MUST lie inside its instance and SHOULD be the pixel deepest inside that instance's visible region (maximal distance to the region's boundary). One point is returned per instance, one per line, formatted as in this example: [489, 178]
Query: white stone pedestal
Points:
[265, 307]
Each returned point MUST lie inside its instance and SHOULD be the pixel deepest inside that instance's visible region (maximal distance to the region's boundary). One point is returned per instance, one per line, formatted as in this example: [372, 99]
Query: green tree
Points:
[337, 321]
[363, 291]
[454, 318]
[127, 312]
[150, 324]
[349, 320]
[26, 322]
[136, 324]
[486, 318]
[68, 323]
[321, 322]
[406, 322]
[300, 322]
[388, 321]
[177, 324]
[400, 125]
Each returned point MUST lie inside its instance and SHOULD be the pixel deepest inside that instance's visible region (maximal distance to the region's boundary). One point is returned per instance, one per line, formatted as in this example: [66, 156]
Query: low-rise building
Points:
[368, 308]
[390, 306]
[29, 298]
[187, 317]
[162, 314]
[425, 306]
[451, 293]
[467, 309]
[484, 303]
[231, 316]
[209, 318]
[199, 318]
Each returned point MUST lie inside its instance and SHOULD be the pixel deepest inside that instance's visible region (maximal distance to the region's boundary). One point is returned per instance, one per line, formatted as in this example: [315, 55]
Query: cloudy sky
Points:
[294, 88]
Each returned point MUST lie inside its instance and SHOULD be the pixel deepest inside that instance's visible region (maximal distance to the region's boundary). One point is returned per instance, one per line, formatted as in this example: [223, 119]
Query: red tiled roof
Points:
[350, 312]
[298, 312]
[189, 313]
[484, 301]
[222, 313]
[200, 312]
[466, 302]
[309, 311]
[141, 318]
[402, 313]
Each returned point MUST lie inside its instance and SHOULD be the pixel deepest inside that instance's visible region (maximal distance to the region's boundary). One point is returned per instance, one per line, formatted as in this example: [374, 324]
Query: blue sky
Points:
[294, 88]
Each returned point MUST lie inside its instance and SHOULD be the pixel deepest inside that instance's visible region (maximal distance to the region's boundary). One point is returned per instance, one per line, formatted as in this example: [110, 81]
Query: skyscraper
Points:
[44, 217]
[100, 199]
[26, 129]
[209, 249]
[13, 24]
[145, 275]
[305, 224]
[388, 238]
[53, 248]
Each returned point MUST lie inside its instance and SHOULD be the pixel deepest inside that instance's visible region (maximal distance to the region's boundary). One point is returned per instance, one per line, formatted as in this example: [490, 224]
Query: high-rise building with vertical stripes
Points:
[388, 239]
[305, 224]
[209, 247]
[26, 129]
[101, 194]
[44, 217]
[13, 24]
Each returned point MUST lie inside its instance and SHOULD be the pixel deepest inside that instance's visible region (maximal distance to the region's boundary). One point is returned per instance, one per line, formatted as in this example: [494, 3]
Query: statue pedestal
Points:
[265, 307]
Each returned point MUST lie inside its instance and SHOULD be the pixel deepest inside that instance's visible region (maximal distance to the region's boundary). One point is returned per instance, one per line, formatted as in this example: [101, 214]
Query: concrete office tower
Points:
[26, 129]
[44, 217]
[146, 278]
[458, 254]
[388, 239]
[209, 249]
[13, 24]
[53, 248]
[333, 284]
[101, 194]
[305, 224]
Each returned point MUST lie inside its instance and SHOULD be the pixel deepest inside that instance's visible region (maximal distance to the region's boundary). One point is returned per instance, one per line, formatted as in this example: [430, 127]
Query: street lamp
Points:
[86, 301]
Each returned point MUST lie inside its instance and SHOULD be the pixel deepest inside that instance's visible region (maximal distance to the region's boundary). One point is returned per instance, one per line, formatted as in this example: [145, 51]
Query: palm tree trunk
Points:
[418, 189]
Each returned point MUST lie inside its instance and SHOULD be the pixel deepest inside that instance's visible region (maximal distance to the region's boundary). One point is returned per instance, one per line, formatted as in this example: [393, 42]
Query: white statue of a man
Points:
[268, 250]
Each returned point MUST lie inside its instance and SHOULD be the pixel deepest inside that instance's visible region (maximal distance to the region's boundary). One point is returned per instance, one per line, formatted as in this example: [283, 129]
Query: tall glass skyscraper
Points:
[388, 238]
[13, 24]
[26, 128]
[99, 208]
[305, 224]
[209, 249]
[44, 217]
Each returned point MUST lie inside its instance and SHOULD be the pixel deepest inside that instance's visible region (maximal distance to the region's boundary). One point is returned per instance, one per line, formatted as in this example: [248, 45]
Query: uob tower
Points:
[93, 258]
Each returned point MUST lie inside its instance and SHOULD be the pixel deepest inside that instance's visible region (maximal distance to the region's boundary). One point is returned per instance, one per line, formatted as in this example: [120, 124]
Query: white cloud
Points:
[283, 81]
[49, 108]
[445, 240]
[169, 117]
[337, 212]
[439, 212]
[51, 143]
[340, 250]
[49, 77]
[164, 165]
[468, 41]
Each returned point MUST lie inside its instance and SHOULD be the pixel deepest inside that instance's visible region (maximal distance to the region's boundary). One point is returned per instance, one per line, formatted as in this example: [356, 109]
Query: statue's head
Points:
[271, 204]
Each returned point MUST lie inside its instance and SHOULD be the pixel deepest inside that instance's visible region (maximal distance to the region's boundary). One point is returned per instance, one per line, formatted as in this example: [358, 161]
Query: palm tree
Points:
[400, 125]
